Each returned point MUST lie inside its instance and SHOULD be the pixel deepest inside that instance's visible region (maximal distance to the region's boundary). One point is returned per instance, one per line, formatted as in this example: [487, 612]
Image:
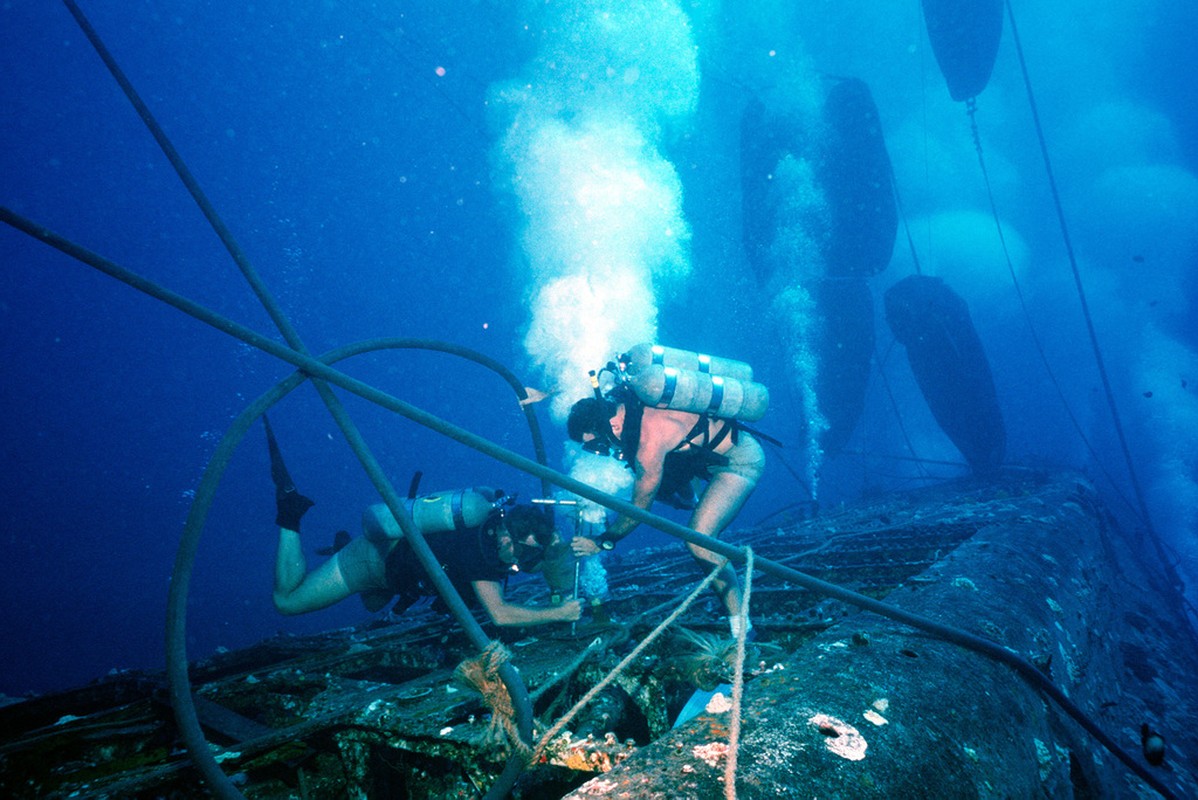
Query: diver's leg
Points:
[379, 525]
[290, 564]
[718, 506]
[298, 591]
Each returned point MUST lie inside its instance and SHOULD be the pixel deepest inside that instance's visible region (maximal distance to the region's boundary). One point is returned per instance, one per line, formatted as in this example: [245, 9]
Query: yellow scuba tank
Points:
[664, 377]
[646, 355]
[432, 513]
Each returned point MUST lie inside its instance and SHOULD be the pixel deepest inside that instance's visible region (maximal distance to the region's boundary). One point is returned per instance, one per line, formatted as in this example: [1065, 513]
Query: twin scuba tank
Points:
[683, 380]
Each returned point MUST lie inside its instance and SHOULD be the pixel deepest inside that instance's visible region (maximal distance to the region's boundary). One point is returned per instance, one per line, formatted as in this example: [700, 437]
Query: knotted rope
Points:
[738, 679]
[539, 750]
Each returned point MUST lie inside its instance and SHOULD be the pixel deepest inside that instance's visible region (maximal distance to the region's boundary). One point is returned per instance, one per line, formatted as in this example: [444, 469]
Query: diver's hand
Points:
[582, 546]
[571, 610]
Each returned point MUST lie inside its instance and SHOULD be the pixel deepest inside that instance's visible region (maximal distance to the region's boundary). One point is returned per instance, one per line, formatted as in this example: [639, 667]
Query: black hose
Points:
[508, 674]
[320, 370]
[176, 640]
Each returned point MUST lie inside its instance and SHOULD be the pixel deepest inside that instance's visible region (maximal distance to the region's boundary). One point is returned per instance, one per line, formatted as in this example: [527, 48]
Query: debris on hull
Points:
[837, 703]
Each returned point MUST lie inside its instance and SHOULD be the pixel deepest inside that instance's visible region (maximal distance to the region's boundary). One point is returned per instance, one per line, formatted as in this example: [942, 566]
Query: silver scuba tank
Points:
[432, 513]
[700, 392]
[647, 355]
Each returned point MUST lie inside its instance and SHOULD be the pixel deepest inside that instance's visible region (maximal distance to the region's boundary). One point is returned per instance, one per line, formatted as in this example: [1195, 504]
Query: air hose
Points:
[507, 673]
[176, 641]
[322, 375]
[318, 369]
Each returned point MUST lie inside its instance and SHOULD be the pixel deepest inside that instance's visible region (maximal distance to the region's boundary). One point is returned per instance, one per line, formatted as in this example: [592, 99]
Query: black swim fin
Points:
[340, 540]
[278, 470]
[289, 503]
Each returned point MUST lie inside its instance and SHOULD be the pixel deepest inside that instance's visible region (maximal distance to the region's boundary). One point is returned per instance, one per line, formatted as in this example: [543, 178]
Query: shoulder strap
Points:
[703, 426]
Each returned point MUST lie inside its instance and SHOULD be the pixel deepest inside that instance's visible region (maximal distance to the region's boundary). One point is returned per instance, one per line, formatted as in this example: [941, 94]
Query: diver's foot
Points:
[290, 507]
[340, 540]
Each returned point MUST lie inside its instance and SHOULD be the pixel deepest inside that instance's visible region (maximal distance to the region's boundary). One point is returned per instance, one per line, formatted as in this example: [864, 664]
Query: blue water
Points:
[436, 171]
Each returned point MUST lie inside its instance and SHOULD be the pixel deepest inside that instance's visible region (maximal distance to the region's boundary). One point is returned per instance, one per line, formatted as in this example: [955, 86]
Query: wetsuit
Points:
[380, 569]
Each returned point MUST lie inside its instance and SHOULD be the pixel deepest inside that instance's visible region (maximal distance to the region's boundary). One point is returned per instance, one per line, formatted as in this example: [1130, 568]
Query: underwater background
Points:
[548, 183]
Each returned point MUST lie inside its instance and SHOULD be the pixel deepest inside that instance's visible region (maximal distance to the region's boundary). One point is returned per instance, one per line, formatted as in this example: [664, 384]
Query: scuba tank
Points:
[450, 511]
[433, 513]
[664, 377]
[646, 355]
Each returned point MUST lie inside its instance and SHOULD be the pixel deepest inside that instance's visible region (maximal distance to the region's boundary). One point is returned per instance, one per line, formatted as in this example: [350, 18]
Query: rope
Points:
[920, 463]
[971, 110]
[481, 674]
[898, 201]
[1175, 579]
[570, 669]
[628, 659]
[1022, 667]
[738, 680]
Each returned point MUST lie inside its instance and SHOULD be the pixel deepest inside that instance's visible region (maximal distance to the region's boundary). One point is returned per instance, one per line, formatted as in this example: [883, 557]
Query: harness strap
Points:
[730, 428]
[703, 426]
[763, 436]
[669, 386]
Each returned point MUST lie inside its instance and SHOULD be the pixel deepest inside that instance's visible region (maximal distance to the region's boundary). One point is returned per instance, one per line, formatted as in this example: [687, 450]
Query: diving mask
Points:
[605, 445]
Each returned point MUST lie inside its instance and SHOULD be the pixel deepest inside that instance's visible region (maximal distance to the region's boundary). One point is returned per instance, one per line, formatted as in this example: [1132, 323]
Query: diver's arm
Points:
[648, 481]
[662, 431]
[649, 471]
[501, 612]
[666, 431]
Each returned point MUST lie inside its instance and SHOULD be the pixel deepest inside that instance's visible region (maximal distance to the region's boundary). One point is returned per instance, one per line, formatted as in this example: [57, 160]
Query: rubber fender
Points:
[856, 175]
[964, 35]
[845, 348]
[950, 365]
[845, 147]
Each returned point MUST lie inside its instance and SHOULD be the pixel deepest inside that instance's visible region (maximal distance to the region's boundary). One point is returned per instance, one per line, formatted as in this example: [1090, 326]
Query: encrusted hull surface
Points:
[838, 703]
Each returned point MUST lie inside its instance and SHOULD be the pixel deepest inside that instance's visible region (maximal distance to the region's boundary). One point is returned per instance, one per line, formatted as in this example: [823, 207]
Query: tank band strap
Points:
[717, 395]
[671, 386]
[704, 364]
[459, 515]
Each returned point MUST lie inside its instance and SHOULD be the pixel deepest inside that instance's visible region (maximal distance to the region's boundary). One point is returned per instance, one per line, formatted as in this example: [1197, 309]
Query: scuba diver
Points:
[668, 448]
[476, 540]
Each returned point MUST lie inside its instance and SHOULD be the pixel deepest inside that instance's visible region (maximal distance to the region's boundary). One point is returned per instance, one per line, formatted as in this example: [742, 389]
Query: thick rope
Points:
[628, 659]
[738, 680]
[481, 674]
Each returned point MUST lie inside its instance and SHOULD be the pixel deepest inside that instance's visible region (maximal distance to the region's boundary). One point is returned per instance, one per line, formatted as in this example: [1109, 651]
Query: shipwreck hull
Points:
[870, 708]
[1029, 562]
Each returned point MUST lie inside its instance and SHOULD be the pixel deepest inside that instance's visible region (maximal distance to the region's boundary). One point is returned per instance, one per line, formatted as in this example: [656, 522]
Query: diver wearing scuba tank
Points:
[476, 541]
[647, 437]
